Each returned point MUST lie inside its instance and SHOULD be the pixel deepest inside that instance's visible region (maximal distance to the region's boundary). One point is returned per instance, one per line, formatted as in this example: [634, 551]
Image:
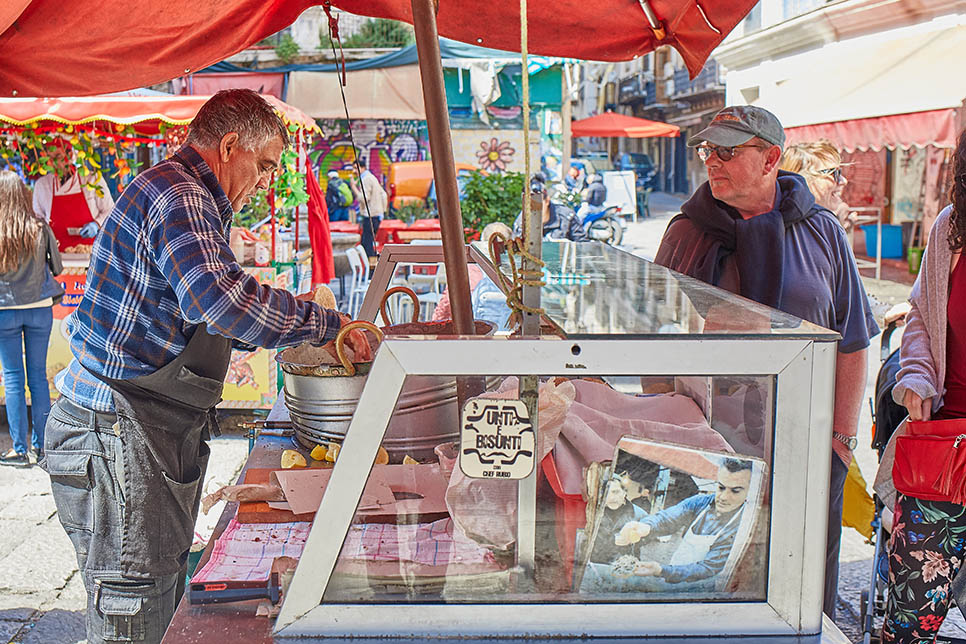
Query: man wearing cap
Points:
[559, 221]
[333, 198]
[757, 231]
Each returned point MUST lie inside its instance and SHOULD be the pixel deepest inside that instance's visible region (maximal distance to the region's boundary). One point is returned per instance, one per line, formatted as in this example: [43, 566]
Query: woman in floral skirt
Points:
[927, 545]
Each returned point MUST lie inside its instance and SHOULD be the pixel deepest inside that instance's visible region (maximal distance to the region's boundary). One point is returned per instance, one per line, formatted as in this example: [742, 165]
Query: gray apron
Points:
[163, 424]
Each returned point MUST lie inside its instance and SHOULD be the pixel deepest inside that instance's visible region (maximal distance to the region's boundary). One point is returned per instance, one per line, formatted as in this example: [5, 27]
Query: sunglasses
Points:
[835, 173]
[724, 153]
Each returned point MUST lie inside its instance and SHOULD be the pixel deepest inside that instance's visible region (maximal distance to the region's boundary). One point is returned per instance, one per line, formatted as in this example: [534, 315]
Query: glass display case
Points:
[673, 483]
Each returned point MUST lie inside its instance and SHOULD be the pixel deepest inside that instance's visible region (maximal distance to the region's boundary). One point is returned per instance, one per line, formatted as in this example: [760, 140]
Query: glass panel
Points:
[428, 282]
[594, 289]
[682, 515]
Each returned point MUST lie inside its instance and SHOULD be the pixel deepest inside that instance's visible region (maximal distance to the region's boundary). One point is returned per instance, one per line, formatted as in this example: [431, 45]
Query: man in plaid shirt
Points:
[151, 338]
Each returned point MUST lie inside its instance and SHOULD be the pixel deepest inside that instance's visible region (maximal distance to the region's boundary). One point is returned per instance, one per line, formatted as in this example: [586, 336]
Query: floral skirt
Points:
[925, 553]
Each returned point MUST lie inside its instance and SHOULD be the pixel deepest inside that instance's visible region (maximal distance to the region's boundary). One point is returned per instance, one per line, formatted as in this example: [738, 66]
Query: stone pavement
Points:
[42, 598]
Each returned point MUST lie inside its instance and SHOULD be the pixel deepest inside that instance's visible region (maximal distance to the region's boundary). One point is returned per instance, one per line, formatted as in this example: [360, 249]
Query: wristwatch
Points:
[849, 441]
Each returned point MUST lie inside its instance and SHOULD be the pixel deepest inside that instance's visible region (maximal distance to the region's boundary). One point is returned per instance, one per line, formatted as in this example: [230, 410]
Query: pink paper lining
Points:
[432, 544]
[245, 551]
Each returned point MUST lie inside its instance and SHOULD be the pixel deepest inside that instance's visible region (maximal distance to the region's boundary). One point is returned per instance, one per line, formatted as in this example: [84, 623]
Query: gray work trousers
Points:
[86, 467]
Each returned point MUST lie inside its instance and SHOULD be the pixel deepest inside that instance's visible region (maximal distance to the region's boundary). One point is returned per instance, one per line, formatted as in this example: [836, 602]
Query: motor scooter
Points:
[605, 225]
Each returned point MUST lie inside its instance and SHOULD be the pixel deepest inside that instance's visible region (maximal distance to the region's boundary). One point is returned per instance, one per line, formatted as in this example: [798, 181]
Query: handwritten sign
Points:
[497, 440]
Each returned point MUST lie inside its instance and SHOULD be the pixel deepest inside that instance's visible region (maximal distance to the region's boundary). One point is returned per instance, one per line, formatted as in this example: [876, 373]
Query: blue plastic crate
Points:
[891, 240]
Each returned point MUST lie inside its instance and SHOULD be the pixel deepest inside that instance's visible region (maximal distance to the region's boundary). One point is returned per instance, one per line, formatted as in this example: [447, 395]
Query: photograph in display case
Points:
[668, 521]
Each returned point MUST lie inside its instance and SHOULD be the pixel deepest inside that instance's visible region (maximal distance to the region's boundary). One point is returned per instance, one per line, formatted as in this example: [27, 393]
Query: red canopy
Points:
[96, 46]
[613, 124]
[145, 113]
[935, 127]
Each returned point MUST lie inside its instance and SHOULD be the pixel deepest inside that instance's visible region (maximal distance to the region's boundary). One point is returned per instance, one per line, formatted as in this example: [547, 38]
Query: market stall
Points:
[415, 546]
[644, 374]
[110, 138]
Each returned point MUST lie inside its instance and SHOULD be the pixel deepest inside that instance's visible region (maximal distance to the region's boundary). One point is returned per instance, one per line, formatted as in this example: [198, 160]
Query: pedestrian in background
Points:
[373, 202]
[28, 262]
[820, 163]
[335, 197]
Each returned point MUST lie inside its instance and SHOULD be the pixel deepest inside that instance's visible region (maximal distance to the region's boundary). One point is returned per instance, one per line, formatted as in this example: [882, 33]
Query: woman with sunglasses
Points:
[928, 541]
[820, 163]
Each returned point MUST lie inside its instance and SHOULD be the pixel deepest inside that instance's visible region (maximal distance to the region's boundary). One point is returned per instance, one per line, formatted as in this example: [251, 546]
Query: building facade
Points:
[877, 78]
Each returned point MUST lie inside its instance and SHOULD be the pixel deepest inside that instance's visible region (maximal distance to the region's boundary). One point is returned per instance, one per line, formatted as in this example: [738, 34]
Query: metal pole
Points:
[444, 169]
[565, 114]
[529, 385]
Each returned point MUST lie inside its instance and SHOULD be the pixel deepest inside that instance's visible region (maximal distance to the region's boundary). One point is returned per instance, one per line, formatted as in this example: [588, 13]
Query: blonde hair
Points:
[807, 159]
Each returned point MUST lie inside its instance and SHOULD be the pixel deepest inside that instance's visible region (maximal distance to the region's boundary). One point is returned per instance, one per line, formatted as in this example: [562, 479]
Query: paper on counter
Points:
[391, 489]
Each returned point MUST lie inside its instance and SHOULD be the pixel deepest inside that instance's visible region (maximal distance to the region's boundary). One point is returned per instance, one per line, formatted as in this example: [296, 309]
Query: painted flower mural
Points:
[495, 156]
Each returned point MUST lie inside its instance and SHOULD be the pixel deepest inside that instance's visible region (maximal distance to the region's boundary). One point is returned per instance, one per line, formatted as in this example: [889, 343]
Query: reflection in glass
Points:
[426, 532]
[596, 289]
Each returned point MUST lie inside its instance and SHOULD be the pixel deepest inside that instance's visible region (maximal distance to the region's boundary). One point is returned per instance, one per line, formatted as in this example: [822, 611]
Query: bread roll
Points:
[324, 297]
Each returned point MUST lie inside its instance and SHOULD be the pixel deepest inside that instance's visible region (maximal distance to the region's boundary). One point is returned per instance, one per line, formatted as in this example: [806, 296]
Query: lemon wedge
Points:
[291, 458]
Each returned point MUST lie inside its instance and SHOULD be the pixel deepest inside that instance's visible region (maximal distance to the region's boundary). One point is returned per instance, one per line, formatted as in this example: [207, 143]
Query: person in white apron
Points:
[712, 522]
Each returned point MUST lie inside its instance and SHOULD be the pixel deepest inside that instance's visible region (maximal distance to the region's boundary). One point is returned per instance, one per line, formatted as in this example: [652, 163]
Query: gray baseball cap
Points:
[739, 124]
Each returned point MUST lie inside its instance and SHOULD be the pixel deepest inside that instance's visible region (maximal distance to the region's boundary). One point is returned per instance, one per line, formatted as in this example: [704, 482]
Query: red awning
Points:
[919, 129]
[100, 46]
[144, 112]
[613, 124]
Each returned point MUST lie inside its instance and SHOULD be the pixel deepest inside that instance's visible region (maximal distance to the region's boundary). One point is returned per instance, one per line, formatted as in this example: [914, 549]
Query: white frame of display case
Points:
[804, 371]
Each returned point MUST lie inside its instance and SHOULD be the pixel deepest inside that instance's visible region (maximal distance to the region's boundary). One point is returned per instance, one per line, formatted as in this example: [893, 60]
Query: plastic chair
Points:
[360, 279]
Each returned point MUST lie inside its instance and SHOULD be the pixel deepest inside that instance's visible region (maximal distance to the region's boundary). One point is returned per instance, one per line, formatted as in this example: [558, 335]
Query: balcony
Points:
[707, 80]
[634, 89]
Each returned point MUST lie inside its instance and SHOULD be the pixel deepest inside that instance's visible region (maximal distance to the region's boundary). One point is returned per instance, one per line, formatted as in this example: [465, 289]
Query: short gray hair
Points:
[241, 111]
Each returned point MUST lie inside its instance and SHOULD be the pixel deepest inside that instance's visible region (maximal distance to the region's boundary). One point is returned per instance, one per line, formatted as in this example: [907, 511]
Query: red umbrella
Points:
[613, 124]
[94, 46]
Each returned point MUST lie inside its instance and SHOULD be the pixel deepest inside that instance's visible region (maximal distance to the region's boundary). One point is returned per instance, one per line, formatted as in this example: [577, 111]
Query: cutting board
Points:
[258, 511]
[425, 479]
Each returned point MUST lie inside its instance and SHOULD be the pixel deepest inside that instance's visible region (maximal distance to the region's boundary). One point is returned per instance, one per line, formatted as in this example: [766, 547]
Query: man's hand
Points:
[842, 451]
[89, 230]
[357, 341]
[919, 409]
[648, 569]
[632, 532]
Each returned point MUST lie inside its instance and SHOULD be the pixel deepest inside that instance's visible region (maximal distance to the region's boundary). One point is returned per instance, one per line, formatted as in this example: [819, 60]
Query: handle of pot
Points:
[350, 368]
[399, 289]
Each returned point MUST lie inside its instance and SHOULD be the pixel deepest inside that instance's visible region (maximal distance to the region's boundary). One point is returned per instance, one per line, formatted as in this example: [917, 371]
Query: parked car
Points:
[642, 166]
[410, 181]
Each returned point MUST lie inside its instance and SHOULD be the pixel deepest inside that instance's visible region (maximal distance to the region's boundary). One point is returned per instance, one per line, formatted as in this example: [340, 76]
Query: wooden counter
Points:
[234, 621]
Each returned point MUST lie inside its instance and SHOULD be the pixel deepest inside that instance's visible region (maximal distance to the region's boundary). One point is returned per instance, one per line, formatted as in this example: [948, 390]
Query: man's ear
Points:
[227, 145]
[773, 157]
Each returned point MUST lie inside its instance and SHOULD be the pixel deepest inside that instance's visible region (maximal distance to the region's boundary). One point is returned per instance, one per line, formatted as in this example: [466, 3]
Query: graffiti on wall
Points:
[495, 155]
[908, 184]
[494, 151]
[382, 141]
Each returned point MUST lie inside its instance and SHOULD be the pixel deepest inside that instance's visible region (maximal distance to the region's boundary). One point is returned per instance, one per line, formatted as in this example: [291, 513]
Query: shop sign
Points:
[497, 440]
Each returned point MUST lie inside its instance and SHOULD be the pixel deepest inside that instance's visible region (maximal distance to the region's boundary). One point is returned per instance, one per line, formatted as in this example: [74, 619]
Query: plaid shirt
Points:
[160, 266]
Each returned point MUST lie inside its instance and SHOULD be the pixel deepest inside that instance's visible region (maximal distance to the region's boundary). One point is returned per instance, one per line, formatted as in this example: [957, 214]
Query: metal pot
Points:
[321, 399]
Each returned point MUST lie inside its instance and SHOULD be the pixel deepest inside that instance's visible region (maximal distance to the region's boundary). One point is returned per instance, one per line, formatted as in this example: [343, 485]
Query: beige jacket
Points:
[374, 194]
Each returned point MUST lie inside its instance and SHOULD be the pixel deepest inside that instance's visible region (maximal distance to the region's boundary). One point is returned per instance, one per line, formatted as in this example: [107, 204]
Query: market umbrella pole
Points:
[444, 168]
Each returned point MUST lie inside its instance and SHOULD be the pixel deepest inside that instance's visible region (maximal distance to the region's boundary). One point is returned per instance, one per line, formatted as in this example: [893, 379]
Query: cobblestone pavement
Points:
[42, 598]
